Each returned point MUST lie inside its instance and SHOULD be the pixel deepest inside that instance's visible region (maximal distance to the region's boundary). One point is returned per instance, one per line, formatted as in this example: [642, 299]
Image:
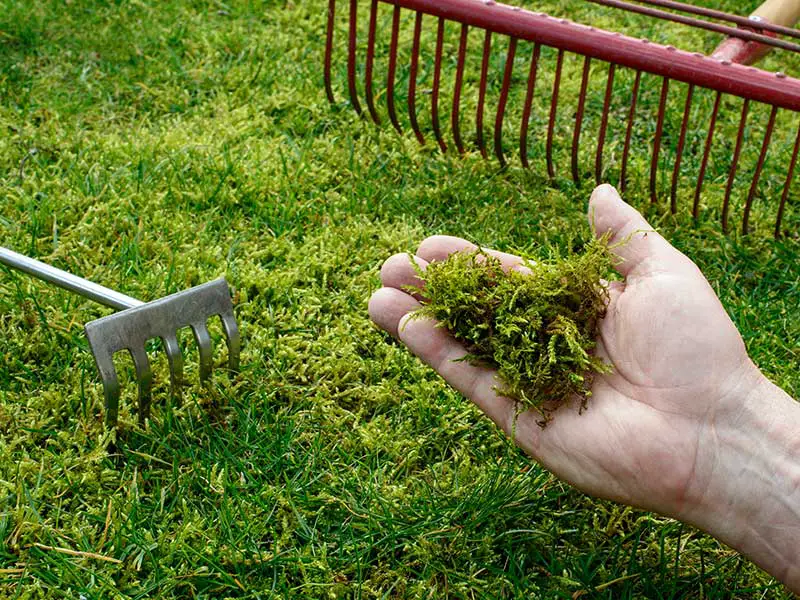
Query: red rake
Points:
[748, 39]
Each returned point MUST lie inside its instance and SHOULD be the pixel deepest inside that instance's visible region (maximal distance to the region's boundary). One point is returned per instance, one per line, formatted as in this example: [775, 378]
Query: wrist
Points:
[751, 498]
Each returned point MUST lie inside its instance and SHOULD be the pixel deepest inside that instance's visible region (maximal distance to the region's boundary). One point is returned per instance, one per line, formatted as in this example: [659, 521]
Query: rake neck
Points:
[67, 281]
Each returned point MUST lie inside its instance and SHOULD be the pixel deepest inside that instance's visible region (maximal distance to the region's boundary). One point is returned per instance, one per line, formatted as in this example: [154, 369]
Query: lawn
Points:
[154, 146]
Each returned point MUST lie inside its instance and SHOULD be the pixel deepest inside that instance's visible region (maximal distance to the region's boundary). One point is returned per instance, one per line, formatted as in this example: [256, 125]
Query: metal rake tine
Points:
[662, 108]
[175, 360]
[501, 104]
[551, 124]
[437, 74]
[393, 69]
[412, 79]
[351, 58]
[623, 180]
[760, 165]
[144, 377]
[373, 17]
[487, 46]
[329, 51]
[576, 136]
[203, 340]
[673, 199]
[462, 51]
[601, 137]
[787, 185]
[706, 151]
[734, 165]
[233, 339]
[526, 111]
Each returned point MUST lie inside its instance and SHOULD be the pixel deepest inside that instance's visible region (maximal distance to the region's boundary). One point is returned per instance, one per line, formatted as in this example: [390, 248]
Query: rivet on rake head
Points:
[488, 2]
[645, 41]
[671, 48]
[698, 54]
[564, 21]
[726, 63]
[780, 75]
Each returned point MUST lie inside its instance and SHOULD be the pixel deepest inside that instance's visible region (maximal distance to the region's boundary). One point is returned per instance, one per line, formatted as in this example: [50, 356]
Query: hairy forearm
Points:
[752, 501]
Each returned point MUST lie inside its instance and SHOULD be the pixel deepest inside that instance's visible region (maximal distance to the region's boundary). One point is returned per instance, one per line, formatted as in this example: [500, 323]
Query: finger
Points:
[388, 306]
[642, 250]
[398, 272]
[439, 247]
[437, 348]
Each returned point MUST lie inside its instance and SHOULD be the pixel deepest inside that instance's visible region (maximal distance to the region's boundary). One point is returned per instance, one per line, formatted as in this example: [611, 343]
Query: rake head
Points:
[706, 87]
[130, 329]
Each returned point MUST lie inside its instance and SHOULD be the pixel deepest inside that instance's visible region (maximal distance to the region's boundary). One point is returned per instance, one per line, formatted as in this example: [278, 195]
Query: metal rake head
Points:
[698, 80]
[130, 329]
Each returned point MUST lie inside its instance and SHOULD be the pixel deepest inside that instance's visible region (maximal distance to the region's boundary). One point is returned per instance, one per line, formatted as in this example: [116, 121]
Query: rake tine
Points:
[487, 45]
[552, 122]
[175, 359]
[233, 339]
[576, 135]
[373, 17]
[144, 376]
[787, 185]
[757, 175]
[462, 51]
[351, 58]
[501, 105]
[412, 79]
[203, 340]
[662, 104]
[329, 50]
[437, 71]
[704, 163]
[601, 138]
[393, 69]
[673, 201]
[734, 164]
[526, 111]
[623, 180]
[111, 391]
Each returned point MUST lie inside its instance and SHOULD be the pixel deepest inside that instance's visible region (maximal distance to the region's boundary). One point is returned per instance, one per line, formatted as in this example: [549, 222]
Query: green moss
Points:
[536, 326]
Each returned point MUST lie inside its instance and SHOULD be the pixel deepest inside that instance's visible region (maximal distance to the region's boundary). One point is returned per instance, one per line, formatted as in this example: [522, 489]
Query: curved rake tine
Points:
[734, 165]
[673, 200]
[601, 137]
[526, 111]
[437, 71]
[393, 69]
[111, 391]
[487, 45]
[757, 175]
[233, 339]
[351, 58]
[462, 52]
[412, 80]
[144, 376]
[623, 180]
[576, 135]
[329, 50]
[662, 103]
[203, 340]
[787, 185]
[373, 16]
[175, 359]
[707, 150]
[552, 122]
[501, 105]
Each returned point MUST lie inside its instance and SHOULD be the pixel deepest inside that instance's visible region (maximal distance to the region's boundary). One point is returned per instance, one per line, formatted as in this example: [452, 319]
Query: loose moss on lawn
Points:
[537, 324]
[179, 141]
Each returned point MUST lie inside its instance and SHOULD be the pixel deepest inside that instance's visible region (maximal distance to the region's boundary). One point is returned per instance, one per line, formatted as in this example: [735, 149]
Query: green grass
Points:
[153, 146]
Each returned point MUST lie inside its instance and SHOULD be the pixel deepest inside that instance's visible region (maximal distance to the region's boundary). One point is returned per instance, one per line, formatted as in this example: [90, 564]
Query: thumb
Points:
[641, 248]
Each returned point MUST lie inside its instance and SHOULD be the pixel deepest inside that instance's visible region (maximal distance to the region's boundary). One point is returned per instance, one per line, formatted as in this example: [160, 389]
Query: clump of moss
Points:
[538, 328]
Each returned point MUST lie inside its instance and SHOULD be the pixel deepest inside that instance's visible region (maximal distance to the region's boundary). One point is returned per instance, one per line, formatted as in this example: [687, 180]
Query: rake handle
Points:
[67, 281]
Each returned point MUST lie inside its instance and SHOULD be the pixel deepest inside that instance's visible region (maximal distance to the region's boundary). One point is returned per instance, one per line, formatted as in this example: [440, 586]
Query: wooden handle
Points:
[779, 12]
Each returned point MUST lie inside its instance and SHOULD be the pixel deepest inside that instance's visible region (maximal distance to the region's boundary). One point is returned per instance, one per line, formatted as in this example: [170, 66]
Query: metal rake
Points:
[139, 322]
[616, 52]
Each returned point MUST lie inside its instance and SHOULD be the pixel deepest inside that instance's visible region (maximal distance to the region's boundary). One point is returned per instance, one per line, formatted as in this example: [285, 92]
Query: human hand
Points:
[680, 371]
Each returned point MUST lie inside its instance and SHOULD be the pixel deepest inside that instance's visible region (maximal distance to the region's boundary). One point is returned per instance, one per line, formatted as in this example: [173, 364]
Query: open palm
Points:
[648, 436]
